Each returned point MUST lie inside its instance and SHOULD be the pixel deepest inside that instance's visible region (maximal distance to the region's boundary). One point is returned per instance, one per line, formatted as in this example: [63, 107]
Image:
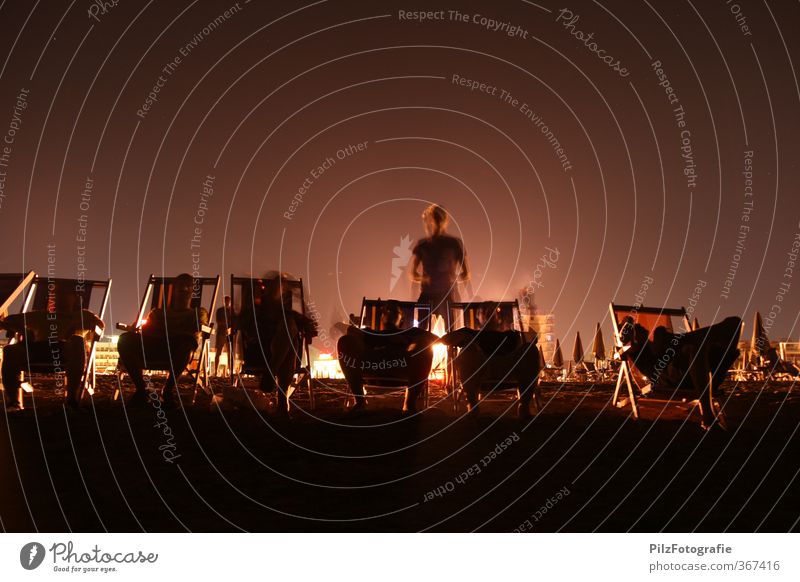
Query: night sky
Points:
[645, 142]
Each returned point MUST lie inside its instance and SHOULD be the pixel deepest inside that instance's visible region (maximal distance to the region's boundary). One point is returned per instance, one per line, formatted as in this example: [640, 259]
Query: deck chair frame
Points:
[22, 279]
[154, 297]
[303, 375]
[470, 320]
[370, 317]
[625, 374]
[88, 379]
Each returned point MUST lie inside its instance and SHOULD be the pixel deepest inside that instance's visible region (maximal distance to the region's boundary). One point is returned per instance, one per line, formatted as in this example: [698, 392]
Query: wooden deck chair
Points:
[468, 315]
[93, 295]
[244, 293]
[789, 352]
[415, 314]
[650, 318]
[11, 287]
[157, 295]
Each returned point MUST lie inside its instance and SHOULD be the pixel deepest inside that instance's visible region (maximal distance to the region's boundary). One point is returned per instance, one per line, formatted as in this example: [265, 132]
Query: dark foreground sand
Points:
[578, 466]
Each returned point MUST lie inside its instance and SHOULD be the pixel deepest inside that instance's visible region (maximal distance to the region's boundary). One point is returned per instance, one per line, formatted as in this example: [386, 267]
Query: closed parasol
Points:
[577, 349]
[759, 343]
[598, 346]
[558, 357]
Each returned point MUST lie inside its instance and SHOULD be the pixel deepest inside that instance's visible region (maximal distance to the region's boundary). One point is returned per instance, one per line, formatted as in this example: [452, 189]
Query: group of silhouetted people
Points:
[271, 333]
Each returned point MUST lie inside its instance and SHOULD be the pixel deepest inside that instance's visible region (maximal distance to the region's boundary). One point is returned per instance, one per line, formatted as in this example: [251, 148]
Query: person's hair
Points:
[179, 281]
[392, 312]
[490, 309]
[271, 287]
[63, 295]
[438, 216]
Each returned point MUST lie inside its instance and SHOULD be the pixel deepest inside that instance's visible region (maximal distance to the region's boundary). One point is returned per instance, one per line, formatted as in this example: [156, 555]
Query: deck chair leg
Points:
[713, 404]
[234, 378]
[307, 352]
[206, 383]
[202, 380]
[718, 412]
[631, 394]
[232, 363]
[87, 385]
[720, 415]
[118, 387]
[452, 380]
[84, 385]
[90, 378]
[199, 377]
[237, 382]
[615, 399]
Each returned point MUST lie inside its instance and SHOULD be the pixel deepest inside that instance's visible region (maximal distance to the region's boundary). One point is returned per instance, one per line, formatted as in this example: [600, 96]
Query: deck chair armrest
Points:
[126, 327]
[207, 329]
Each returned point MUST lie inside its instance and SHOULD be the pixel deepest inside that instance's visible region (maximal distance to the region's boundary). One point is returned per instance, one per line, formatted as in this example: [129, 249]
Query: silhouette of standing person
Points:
[439, 262]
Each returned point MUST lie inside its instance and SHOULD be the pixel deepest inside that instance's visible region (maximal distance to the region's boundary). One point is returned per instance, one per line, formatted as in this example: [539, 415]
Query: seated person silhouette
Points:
[391, 352]
[696, 360]
[495, 352]
[271, 336]
[59, 336]
[169, 336]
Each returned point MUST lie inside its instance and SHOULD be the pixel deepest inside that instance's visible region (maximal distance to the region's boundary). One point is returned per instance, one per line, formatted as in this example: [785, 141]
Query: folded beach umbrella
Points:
[599, 346]
[542, 362]
[577, 349]
[759, 343]
[558, 357]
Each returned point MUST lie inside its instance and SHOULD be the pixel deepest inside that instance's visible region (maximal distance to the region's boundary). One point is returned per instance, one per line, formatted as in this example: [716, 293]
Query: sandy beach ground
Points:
[579, 465]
